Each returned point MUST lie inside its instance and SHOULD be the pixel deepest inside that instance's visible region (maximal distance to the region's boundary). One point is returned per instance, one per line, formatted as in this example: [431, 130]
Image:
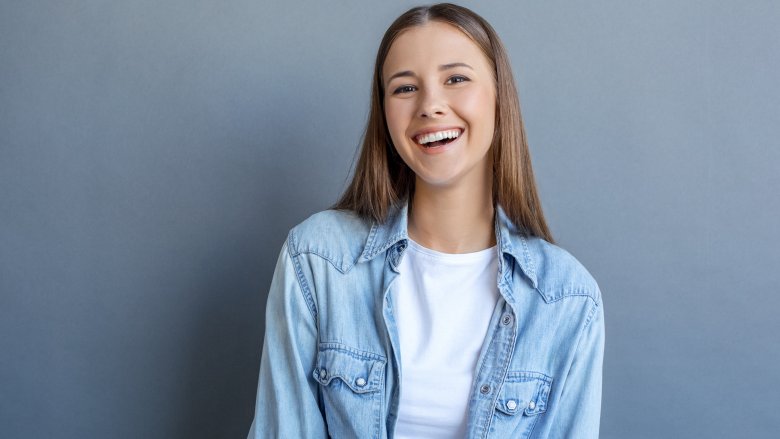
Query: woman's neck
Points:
[453, 219]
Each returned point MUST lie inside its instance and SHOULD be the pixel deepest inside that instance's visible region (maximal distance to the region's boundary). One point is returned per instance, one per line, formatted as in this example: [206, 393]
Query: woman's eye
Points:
[457, 79]
[403, 89]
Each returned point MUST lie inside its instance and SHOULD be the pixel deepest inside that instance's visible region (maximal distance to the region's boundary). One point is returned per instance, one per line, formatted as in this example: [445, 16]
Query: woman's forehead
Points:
[432, 43]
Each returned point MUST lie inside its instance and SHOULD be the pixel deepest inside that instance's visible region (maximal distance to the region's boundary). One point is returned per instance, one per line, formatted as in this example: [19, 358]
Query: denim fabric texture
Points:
[330, 363]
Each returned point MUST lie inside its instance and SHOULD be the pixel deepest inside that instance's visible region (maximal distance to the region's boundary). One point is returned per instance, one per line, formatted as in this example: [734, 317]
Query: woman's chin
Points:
[437, 181]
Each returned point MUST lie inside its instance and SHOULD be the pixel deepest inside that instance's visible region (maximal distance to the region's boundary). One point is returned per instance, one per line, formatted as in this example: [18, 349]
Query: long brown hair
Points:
[382, 179]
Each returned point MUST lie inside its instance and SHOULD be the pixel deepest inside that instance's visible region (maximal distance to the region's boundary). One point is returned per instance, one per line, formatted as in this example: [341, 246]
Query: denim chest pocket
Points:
[521, 402]
[352, 384]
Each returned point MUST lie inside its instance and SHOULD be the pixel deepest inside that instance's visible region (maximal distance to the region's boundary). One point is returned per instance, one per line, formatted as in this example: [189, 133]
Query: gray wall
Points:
[154, 154]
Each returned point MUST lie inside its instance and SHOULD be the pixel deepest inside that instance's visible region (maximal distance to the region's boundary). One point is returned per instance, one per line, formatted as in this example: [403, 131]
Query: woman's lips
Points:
[420, 135]
[433, 150]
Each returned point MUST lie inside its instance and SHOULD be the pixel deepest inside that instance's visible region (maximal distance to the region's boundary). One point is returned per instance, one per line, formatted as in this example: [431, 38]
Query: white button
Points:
[361, 382]
[511, 404]
[531, 405]
[323, 373]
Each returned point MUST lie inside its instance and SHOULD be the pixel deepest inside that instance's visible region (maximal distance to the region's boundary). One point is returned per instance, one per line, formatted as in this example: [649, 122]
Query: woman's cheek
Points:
[476, 100]
[396, 117]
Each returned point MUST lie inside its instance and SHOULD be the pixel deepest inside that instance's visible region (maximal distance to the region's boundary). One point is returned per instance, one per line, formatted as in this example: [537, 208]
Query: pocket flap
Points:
[525, 392]
[362, 371]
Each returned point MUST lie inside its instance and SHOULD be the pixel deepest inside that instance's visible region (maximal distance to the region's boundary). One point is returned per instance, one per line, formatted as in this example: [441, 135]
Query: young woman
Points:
[431, 302]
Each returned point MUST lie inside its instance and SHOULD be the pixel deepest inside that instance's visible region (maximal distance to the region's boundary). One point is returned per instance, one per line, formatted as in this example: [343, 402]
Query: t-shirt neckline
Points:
[479, 255]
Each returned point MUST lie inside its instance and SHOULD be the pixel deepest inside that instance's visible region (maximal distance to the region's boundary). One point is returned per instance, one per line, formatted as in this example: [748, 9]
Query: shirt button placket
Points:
[492, 372]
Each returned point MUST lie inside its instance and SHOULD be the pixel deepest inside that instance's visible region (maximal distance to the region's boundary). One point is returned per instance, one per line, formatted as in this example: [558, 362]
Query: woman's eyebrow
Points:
[452, 65]
[409, 73]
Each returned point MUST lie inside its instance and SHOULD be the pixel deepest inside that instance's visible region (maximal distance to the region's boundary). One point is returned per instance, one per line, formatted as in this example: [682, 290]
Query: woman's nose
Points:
[432, 105]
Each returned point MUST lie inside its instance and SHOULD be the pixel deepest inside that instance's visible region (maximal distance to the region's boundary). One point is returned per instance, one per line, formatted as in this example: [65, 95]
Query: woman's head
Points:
[437, 82]
[410, 94]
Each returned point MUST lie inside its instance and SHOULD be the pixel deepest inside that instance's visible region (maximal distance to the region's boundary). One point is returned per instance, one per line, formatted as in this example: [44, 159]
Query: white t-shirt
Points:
[443, 305]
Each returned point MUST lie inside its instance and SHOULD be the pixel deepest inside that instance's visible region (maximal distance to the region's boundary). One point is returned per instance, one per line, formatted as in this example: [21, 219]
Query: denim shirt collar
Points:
[509, 239]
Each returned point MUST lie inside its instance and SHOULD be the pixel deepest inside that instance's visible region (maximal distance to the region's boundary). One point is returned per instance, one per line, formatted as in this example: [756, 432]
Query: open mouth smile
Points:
[438, 138]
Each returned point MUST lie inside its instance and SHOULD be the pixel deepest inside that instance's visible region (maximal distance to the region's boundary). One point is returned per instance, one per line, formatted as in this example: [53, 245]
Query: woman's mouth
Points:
[438, 138]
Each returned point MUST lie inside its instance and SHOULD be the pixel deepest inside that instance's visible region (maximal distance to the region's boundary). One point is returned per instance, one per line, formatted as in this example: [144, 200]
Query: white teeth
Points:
[439, 135]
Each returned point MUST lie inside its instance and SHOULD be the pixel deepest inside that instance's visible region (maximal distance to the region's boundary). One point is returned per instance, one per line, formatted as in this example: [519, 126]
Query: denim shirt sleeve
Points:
[580, 403]
[287, 404]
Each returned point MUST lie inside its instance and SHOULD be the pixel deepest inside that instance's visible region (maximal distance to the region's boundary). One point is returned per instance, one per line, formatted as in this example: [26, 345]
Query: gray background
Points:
[154, 154]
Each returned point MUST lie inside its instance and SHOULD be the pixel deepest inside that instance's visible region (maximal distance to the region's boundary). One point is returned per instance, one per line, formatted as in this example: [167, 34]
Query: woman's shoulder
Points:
[336, 235]
[558, 272]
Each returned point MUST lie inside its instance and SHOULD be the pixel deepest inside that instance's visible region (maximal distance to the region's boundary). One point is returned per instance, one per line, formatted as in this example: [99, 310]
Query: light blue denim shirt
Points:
[330, 359]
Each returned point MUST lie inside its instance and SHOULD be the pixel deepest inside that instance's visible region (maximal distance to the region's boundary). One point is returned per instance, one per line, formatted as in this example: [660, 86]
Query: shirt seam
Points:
[303, 286]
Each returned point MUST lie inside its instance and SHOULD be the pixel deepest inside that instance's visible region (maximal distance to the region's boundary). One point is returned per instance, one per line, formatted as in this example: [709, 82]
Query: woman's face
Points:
[438, 81]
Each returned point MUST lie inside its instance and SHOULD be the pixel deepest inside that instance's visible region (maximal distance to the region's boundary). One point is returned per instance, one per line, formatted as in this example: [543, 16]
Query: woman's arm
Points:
[287, 404]
[579, 409]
